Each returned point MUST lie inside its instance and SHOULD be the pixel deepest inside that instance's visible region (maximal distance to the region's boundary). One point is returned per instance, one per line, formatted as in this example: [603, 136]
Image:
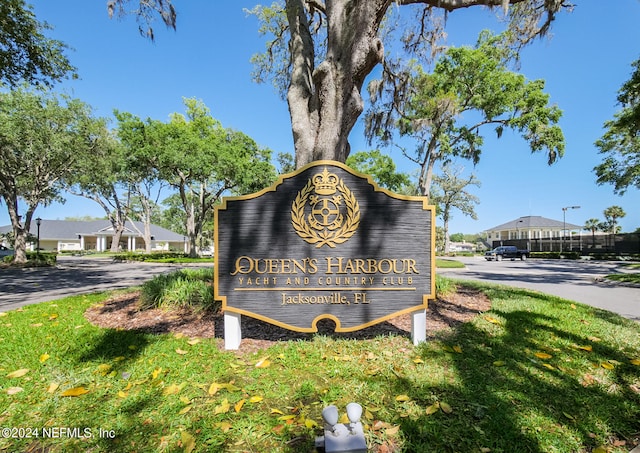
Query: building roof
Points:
[70, 229]
[534, 222]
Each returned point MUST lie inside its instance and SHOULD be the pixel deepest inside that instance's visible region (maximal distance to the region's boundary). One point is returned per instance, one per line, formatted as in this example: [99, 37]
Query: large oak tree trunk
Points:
[325, 102]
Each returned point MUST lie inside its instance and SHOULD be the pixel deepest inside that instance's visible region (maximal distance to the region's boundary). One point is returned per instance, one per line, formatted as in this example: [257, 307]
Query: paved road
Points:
[578, 280]
[71, 276]
[573, 280]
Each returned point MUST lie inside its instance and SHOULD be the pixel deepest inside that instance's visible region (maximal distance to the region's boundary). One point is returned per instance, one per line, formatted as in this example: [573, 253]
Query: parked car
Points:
[506, 252]
[206, 251]
[5, 251]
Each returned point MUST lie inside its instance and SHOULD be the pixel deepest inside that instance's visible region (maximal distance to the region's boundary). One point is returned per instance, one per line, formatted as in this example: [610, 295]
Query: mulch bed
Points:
[123, 312]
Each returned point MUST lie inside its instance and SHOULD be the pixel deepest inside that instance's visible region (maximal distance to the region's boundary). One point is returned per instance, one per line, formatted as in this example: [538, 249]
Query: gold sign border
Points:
[425, 297]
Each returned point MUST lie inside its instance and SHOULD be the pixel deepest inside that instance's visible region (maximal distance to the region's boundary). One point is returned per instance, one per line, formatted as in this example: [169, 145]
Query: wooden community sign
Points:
[324, 242]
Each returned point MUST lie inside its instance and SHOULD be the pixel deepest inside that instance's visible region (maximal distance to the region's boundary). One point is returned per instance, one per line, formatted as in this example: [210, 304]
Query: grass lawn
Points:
[627, 277]
[534, 374]
[444, 263]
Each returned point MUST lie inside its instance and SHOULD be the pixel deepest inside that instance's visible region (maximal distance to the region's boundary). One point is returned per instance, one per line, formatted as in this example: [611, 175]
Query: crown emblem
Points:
[325, 211]
[325, 183]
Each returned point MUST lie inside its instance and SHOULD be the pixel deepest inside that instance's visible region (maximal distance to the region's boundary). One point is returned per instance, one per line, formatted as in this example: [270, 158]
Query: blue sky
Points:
[584, 64]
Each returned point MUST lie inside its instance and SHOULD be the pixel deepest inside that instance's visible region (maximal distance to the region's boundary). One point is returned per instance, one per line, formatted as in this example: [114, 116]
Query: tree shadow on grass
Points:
[112, 344]
[519, 401]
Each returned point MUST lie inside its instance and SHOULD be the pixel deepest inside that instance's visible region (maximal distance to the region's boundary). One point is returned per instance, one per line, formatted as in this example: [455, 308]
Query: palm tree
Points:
[612, 214]
[592, 225]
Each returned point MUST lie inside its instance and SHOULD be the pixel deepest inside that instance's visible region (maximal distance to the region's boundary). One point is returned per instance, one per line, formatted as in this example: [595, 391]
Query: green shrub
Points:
[159, 257]
[36, 259]
[556, 255]
[444, 285]
[154, 256]
[43, 258]
[183, 288]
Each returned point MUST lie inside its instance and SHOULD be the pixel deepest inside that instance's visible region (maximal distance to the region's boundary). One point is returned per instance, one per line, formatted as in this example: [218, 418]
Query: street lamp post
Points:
[38, 222]
[564, 224]
[518, 231]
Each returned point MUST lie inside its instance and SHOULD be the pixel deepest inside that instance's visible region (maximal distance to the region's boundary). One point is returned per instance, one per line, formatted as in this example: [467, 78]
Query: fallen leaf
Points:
[44, 357]
[587, 348]
[378, 424]
[14, 390]
[311, 424]
[546, 365]
[122, 394]
[607, 365]
[492, 320]
[103, 369]
[569, 416]
[543, 355]
[264, 363]
[239, 405]
[215, 387]
[223, 408]
[184, 410]
[76, 391]
[418, 360]
[156, 373]
[171, 390]
[230, 387]
[181, 351]
[458, 349]
[635, 362]
[224, 426]
[435, 407]
[573, 306]
[601, 449]
[193, 341]
[403, 398]
[53, 316]
[276, 411]
[18, 373]
[188, 442]
[393, 430]
[52, 387]
[445, 408]
[255, 399]
[499, 363]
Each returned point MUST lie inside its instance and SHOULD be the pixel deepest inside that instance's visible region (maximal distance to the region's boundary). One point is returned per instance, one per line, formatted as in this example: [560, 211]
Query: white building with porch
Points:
[98, 235]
